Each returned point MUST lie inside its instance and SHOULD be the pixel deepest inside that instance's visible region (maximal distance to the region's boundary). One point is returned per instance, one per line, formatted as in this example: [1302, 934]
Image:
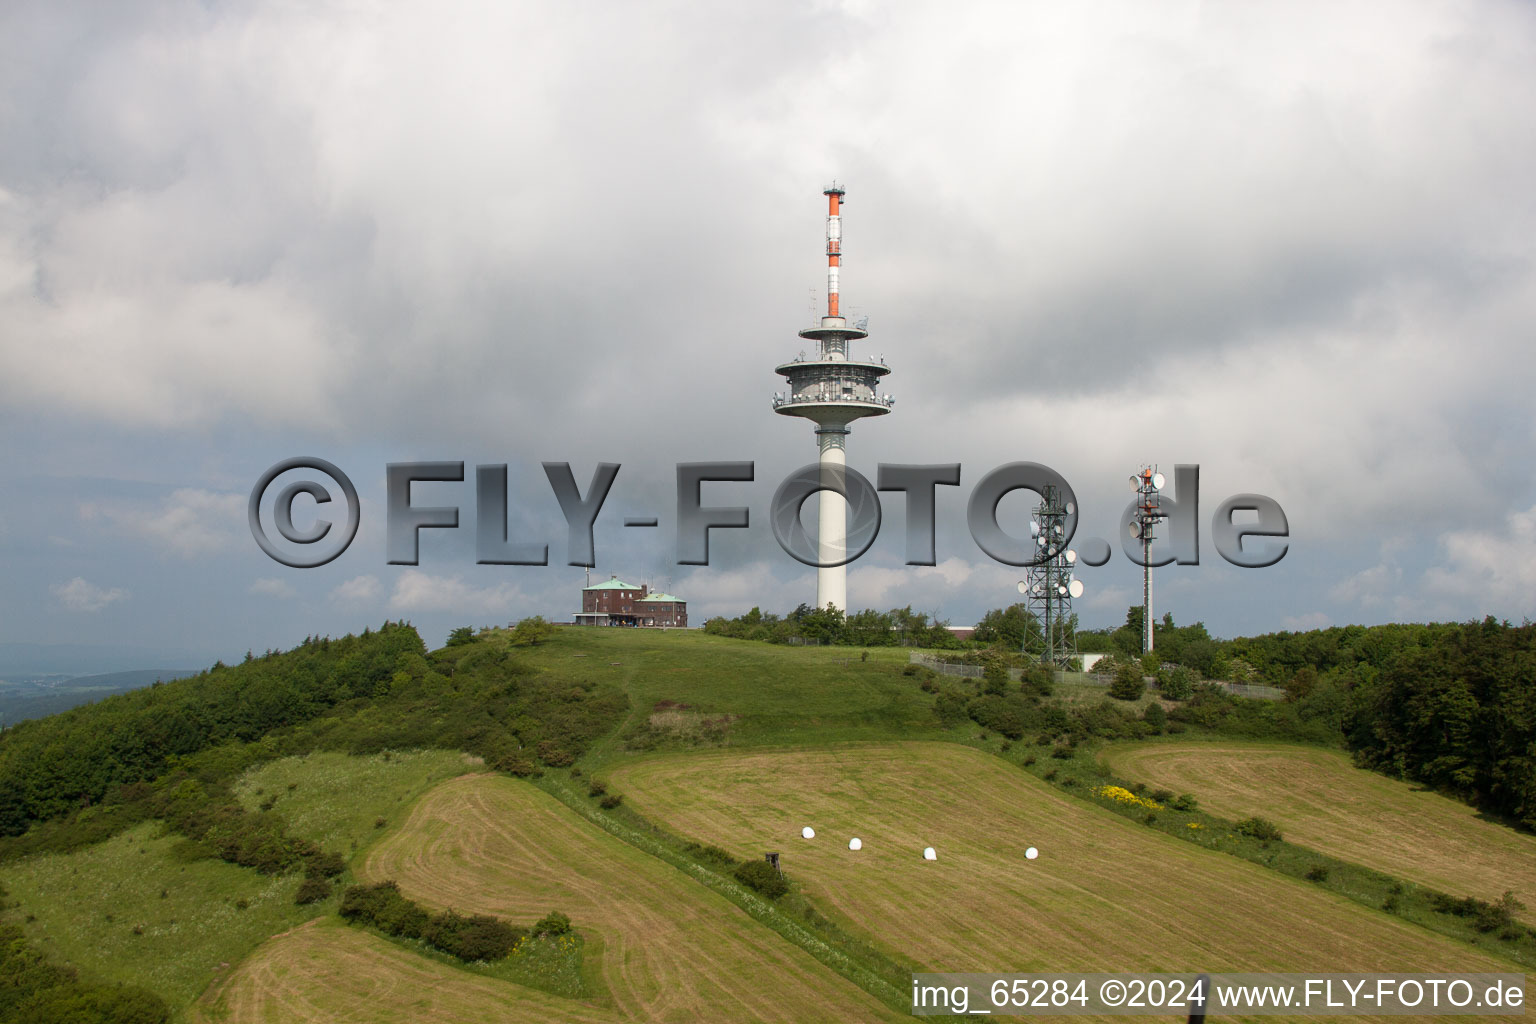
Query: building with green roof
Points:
[614, 602]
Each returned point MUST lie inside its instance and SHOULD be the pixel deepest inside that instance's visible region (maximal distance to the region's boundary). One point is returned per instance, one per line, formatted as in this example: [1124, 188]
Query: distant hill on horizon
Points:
[24, 660]
[39, 696]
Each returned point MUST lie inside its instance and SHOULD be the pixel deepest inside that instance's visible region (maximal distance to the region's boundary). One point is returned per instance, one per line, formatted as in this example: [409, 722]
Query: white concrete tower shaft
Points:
[832, 389]
[832, 531]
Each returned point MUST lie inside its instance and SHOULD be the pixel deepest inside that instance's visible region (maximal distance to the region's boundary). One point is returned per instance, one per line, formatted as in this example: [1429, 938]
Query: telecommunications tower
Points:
[831, 389]
[1049, 586]
[1148, 513]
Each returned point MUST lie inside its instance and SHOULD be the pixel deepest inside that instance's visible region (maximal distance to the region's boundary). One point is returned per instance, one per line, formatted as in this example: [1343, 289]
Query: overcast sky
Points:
[1289, 242]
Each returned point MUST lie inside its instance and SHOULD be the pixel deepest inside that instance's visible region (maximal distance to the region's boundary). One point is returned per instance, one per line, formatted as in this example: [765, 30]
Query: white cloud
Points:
[417, 591]
[1370, 588]
[190, 522]
[1304, 622]
[359, 590]
[79, 595]
[925, 587]
[268, 586]
[1488, 571]
[713, 590]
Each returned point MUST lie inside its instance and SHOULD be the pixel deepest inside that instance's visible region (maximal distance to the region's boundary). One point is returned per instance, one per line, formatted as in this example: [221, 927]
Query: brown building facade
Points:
[616, 603]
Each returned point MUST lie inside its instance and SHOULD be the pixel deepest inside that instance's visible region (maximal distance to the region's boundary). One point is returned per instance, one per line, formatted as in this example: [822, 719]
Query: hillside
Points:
[622, 777]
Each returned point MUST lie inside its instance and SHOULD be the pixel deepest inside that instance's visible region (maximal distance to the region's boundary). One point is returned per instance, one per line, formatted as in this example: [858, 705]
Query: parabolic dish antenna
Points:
[1075, 588]
[1158, 480]
[1071, 557]
[1023, 587]
[1135, 529]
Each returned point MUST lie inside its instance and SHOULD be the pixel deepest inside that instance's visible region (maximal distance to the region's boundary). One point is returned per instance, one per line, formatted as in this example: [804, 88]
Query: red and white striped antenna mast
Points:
[834, 194]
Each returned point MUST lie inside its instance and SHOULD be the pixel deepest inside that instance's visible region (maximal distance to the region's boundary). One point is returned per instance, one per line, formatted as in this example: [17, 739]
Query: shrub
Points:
[1486, 917]
[1317, 873]
[460, 636]
[530, 632]
[551, 754]
[1162, 796]
[950, 709]
[1128, 684]
[713, 854]
[1183, 802]
[1155, 716]
[994, 675]
[910, 670]
[471, 938]
[516, 764]
[468, 938]
[597, 788]
[1176, 683]
[1038, 680]
[324, 865]
[610, 801]
[1258, 828]
[552, 923]
[312, 890]
[1149, 819]
[999, 713]
[1123, 796]
[760, 875]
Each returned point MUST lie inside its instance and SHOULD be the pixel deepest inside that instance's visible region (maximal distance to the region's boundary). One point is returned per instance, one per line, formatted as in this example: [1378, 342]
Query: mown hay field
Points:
[671, 949]
[325, 971]
[1320, 799]
[1104, 895]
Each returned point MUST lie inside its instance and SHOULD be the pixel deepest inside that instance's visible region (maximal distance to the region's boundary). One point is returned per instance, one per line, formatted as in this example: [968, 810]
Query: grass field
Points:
[1320, 799]
[775, 695]
[1105, 893]
[326, 971]
[87, 904]
[337, 799]
[672, 949]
